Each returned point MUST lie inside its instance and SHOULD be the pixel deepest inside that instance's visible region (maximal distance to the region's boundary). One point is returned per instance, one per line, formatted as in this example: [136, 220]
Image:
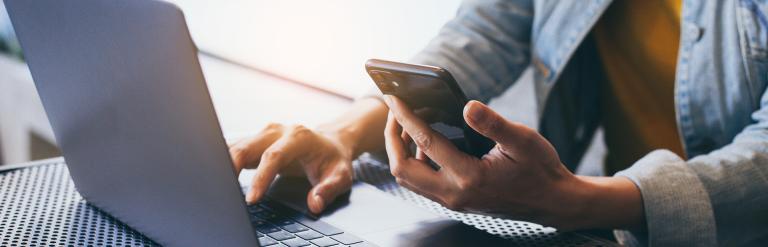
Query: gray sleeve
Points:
[720, 198]
[486, 47]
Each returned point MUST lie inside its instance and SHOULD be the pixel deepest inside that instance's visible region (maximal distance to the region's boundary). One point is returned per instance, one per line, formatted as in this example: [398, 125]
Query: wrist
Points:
[609, 203]
[345, 140]
[356, 131]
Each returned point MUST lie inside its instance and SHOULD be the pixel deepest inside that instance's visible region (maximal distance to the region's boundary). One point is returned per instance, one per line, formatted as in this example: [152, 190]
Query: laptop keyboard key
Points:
[309, 235]
[295, 242]
[266, 241]
[323, 242]
[267, 228]
[281, 235]
[284, 221]
[295, 227]
[278, 208]
[266, 215]
[258, 222]
[346, 238]
[319, 226]
[255, 209]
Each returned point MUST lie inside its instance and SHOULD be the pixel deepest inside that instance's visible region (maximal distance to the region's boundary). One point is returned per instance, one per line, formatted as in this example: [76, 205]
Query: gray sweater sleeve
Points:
[720, 198]
[486, 47]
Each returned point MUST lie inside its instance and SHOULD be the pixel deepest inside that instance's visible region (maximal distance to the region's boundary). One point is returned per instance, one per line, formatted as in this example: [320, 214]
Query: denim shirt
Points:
[719, 195]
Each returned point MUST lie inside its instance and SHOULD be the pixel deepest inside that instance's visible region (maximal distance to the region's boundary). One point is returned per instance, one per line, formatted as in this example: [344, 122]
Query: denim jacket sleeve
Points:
[486, 47]
[720, 198]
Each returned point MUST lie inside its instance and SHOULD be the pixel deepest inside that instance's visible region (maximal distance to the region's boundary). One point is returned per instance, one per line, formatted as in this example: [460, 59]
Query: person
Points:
[678, 86]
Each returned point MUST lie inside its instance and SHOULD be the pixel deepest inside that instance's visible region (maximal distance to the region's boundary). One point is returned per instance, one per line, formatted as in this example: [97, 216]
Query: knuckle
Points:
[473, 179]
[238, 159]
[272, 129]
[300, 131]
[273, 126]
[423, 140]
[348, 176]
[261, 178]
[466, 184]
[343, 178]
[397, 171]
[238, 155]
[528, 138]
[235, 149]
[272, 155]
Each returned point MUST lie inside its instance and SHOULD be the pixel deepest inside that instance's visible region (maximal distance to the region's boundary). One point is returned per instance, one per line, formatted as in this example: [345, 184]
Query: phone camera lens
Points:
[386, 81]
[376, 76]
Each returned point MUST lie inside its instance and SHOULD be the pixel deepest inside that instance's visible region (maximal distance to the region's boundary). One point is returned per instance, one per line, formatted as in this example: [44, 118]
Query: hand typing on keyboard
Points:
[295, 151]
[324, 155]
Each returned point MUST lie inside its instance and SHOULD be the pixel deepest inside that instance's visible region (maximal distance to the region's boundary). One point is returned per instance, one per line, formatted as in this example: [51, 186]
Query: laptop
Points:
[123, 89]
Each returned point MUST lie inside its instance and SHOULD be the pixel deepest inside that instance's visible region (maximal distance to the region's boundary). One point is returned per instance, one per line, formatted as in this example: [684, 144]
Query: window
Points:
[8, 43]
[321, 43]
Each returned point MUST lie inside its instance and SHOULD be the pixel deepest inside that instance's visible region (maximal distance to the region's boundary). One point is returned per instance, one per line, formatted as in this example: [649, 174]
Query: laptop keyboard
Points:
[278, 226]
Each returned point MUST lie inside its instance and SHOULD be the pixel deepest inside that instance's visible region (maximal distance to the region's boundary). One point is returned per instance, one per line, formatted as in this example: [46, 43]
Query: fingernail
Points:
[319, 203]
[475, 112]
[250, 199]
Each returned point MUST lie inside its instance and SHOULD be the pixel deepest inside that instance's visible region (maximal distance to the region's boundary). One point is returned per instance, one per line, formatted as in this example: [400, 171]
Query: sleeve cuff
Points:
[678, 211]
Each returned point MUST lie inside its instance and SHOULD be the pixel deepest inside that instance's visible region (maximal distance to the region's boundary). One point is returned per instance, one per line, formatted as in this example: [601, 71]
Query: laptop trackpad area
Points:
[378, 217]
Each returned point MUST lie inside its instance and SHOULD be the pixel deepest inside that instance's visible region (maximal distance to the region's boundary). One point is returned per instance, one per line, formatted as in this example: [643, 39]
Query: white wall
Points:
[21, 112]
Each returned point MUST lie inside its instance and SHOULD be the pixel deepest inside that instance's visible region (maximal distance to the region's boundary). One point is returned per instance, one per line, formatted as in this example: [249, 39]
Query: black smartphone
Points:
[433, 94]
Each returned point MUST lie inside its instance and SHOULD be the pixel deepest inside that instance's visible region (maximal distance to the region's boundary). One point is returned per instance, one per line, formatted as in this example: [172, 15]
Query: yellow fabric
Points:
[637, 41]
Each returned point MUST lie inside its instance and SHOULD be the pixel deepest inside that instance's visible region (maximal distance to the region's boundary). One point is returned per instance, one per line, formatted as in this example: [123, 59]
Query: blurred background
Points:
[304, 59]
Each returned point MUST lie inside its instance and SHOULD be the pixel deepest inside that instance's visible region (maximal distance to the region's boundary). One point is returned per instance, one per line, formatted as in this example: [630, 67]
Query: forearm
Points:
[361, 128]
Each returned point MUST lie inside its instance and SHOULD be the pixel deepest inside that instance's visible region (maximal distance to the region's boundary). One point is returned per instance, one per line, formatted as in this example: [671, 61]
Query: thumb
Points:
[326, 191]
[511, 136]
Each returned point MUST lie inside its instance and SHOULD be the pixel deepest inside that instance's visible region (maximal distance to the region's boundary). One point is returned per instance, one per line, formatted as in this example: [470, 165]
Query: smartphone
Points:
[433, 94]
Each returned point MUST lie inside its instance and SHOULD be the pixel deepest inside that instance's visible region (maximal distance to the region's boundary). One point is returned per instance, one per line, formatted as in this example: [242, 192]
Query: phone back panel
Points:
[434, 95]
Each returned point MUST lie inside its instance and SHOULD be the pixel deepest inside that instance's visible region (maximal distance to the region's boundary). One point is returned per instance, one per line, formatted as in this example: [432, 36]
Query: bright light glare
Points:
[324, 43]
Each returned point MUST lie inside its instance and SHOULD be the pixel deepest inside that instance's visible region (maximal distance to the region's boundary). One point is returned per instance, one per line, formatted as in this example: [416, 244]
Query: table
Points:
[39, 206]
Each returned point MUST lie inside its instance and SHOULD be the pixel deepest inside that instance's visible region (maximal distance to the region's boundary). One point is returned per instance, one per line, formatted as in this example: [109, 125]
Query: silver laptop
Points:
[122, 86]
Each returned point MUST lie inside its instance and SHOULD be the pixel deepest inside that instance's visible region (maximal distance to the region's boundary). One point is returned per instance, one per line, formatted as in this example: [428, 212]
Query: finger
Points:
[407, 141]
[328, 189]
[403, 167]
[285, 150]
[512, 137]
[421, 155]
[246, 153]
[433, 144]
[393, 140]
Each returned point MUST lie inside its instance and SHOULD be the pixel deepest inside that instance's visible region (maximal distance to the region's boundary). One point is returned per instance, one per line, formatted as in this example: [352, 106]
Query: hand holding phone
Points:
[433, 94]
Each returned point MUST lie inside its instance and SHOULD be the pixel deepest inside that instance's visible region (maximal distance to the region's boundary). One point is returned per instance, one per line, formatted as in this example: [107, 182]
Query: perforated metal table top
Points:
[39, 206]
